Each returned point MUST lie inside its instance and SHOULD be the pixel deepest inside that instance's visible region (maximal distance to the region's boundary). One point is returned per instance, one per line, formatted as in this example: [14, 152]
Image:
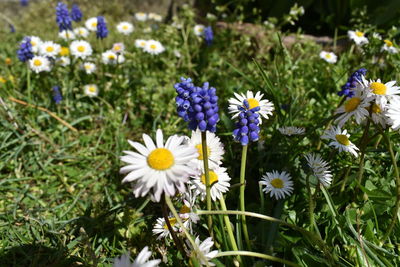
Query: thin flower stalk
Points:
[207, 176]
[242, 190]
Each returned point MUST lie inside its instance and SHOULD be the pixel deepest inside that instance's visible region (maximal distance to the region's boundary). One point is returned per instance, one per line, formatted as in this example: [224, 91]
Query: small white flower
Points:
[49, 49]
[378, 114]
[393, 113]
[378, 91]
[125, 28]
[67, 35]
[142, 260]
[80, 49]
[376, 36]
[328, 57]
[140, 43]
[111, 58]
[205, 247]
[155, 17]
[358, 37]
[340, 140]
[161, 227]
[118, 48]
[140, 16]
[389, 47]
[356, 106]
[91, 24]
[177, 53]
[219, 181]
[39, 64]
[64, 61]
[320, 168]
[81, 32]
[89, 67]
[147, 29]
[236, 104]
[91, 90]
[199, 30]
[154, 47]
[291, 130]
[279, 185]
[36, 42]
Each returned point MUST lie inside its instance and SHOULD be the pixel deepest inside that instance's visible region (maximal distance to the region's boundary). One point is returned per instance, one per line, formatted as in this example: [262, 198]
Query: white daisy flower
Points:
[80, 49]
[142, 260]
[64, 61]
[81, 32]
[329, 57]
[125, 28]
[91, 24]
[49, 49]
[215, 149]
[36, 42]
[147, 29]
[205, 248]
[199, 30]
[236, 104]
[393, 113]
[376, 36]
[67, 35]
[140, 16]
[158, 167]
[39, 64]
[110, 58]
[381, 93]
[378, 114]
[219, 180]
[356, 107]
[358, 37]
[389, 47]
[89, 67]
[278, 185]
[140, 43]
[291, 130]
[154, 47]
[161, 227]
[186, 212]
[155, 17]
[320, 168]
[91, 90]
[340, 140]
[118, 48]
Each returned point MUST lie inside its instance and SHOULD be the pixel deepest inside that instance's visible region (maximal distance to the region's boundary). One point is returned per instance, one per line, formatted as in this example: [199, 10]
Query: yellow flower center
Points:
[328, 56]
[8, 61]
[213, 178]
[94, 24]
[253, 103]
[125, 27]
[359, 34]
[376, 108]
[37, 62]
[277, 183]
[33, 43]
[200, 29]
[2, 80]
[142, 44]
[153, 46]
[64, 51]
[200, 150]
[342, 139]
[87, 67]
[172, 222]
[92, 89]
[184, 209]
[378, 88]
[49, 49]
[352, 104]
[111, 57]
[117, 47]
[388, 43]
[81, 48]
[160, 159]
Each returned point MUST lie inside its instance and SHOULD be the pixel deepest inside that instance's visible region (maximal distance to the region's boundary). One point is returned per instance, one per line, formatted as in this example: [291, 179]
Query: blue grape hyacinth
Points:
[247, 128]
[197, 105]
[24, 2]
[57, 97]
[62, 17]
[208, 35]
[25, 51]
[76, 13]
[348, 88]
[102, 30]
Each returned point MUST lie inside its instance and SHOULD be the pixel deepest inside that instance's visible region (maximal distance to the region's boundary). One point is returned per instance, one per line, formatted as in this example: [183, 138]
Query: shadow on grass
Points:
[35, 255]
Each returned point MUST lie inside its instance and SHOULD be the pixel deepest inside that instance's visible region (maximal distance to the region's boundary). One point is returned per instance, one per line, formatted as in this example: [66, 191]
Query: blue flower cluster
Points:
[76, 13]
[24, 2]
[247, 129]
[62, 17]
[12, 28]
[57, 97]
[348, 88]
[25, 51]
[197, 105]
[208, 35]
[102, 30]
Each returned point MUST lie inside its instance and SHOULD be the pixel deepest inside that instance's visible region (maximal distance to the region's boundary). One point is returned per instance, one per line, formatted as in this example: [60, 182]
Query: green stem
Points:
[273, 228]
[173, 234]
[204, 148]
[310, 203]
[396, 172]
[28, 82]
[189, 237]
[242, 188]
[229, 227]
[255, 254]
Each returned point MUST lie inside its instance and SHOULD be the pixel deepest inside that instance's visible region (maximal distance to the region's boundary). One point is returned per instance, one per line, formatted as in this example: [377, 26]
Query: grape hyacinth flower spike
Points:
[25, 51]
[247, 128]
[62, 17]
[102, 30]
[76, 13]
[350, 85]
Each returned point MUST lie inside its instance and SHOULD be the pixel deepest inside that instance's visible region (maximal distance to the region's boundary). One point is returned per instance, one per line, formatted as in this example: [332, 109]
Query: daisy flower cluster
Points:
[141, 16]
[152, 47]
